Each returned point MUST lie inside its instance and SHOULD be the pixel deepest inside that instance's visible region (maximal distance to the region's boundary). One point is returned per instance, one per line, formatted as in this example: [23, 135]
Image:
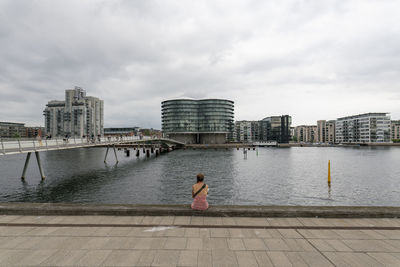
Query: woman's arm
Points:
[192, 191]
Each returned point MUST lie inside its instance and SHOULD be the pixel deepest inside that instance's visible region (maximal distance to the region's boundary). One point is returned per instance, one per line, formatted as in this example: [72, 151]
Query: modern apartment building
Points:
[326, 131]
[32, 132]
[206, 121]
[276, 128]
[78, 115]
[12, 130]
[292, 132]
[306, 133]
[242, 131]
[363, 128]
[395, 130]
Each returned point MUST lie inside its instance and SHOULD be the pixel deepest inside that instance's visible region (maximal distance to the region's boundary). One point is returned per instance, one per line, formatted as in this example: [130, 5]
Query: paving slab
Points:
[188, 258]
[130, 241]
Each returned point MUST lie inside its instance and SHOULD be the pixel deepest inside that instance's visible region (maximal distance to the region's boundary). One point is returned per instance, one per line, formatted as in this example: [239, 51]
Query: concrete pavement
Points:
[197, 241]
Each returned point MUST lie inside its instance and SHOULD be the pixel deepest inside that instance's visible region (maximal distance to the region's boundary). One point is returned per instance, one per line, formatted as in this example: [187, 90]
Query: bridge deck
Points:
[18, 147]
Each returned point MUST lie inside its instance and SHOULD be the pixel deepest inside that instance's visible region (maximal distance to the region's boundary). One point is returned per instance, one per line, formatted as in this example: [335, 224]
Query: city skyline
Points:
[311, 60]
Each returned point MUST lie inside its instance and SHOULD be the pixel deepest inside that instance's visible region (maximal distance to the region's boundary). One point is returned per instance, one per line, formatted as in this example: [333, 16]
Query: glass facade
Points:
[276, 128]
[186, 116]
[197, 116]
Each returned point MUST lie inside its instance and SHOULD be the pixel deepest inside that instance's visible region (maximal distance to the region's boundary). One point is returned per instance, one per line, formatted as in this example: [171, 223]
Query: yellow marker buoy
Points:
[329, 172]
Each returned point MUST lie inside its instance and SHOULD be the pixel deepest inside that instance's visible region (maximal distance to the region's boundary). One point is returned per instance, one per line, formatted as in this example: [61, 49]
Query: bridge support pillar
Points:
[115, 153]
[152, 150]
[148, 153]
[40, 165]
[28, 156]
[138, 152]
[144, 149]
[106, 154]
[157, 152]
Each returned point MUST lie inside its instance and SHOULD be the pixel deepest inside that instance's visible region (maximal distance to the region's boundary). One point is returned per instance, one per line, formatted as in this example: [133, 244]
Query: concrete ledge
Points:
[185, 210]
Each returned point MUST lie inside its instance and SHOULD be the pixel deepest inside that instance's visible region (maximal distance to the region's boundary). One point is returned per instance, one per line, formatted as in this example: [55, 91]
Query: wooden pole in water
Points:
[329, 172]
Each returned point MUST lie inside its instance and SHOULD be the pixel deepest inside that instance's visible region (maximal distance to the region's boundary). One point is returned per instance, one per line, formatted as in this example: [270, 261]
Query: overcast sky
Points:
[311, 59]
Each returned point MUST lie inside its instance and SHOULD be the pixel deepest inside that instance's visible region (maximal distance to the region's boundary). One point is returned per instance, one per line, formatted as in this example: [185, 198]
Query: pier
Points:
[67, 239]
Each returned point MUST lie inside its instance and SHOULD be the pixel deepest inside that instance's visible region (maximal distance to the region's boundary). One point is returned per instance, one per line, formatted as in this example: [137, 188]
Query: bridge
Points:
[18, 146]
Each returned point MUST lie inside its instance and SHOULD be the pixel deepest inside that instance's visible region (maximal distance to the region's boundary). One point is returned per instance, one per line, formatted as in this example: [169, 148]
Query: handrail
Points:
[24, 146]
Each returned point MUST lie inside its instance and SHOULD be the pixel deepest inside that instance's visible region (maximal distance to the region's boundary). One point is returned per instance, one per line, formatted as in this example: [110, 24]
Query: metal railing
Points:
[23, 146]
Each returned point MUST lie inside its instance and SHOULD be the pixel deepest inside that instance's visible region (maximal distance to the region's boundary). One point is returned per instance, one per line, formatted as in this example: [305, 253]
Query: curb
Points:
[61, 209]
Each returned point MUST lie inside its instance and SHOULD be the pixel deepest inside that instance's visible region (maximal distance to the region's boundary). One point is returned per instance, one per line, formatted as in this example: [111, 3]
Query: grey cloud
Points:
[135, 54]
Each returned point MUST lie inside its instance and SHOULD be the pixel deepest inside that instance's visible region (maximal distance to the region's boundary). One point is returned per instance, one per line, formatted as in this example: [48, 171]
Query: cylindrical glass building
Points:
[207, 121]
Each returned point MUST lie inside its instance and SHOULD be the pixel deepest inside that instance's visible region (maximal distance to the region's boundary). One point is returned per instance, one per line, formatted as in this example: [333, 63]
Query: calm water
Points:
[292, 176]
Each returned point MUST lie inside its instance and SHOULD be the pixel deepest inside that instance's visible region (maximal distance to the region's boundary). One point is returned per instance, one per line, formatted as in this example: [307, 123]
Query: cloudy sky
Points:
[315, 59]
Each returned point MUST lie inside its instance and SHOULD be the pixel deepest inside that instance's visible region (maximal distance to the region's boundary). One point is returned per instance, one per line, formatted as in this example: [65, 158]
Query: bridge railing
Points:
[18, 145]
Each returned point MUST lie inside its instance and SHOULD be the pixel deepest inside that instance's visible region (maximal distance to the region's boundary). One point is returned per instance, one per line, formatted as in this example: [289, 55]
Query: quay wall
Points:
[57, 209]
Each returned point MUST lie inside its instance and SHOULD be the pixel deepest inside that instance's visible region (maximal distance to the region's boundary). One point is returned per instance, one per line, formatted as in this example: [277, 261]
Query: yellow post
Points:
[329, 172]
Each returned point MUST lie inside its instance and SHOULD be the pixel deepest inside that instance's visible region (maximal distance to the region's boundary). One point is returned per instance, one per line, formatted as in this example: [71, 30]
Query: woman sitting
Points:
[199, 193]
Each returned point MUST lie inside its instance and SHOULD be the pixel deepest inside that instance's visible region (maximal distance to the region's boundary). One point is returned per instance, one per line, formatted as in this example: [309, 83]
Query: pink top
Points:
[200, 203]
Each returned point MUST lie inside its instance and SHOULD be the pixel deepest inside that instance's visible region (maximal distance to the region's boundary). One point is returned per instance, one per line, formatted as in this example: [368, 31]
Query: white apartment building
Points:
[326, 131]
[363, 128]
[77, 116]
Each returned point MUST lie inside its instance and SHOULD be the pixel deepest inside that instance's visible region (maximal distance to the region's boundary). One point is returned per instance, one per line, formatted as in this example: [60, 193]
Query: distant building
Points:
[124, 131]
[32, 132]
[306, 133]
[292, 132]
[276, 128]
[363, 128]
[78, 115]
[206, 121]
[326, 131]
[395, 130]
[12, 130]
[243, 131]
[150, 132]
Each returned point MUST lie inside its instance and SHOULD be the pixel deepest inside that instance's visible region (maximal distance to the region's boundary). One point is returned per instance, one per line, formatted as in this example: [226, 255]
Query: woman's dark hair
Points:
[200, 177]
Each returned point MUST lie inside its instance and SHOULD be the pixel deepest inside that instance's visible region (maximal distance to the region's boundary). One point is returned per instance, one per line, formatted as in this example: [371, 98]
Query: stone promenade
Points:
[197, 241]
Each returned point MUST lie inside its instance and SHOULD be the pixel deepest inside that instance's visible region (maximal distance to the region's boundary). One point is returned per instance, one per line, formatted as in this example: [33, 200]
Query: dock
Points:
[195, 240]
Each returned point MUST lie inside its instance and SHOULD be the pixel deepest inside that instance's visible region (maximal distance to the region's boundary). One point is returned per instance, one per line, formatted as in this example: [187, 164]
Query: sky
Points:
[313, 60]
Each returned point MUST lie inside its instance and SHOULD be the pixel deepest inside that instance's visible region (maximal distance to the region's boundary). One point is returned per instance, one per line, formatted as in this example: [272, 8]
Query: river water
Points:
[269, 176]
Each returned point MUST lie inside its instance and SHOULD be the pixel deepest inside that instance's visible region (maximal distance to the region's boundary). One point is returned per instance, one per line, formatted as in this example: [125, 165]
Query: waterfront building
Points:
[363, 128]
[292, 132]
[395, 130]
[78, 115]
[124, 131]
[306, 133]
[243, 131]
[206, 121]
[276, 128]
[326, 131]
[34, 131]
[12, 130]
